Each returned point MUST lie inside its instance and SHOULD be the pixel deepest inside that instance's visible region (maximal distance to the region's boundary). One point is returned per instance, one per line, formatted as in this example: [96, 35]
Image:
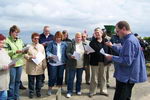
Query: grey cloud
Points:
[74, 14]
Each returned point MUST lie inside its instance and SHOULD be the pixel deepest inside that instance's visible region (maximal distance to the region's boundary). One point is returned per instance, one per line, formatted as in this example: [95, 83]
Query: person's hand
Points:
[109, 57]
[44, 44]
[52, 57]
[86, 52]
[109, 44]
[5, 67]
[33, 57]
[12, 65]
[73, 57]
[19, 51]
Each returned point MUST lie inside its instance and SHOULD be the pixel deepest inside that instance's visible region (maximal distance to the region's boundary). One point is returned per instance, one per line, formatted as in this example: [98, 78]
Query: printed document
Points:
[39, 58]
[13, 62]
[76, 55]
[103, 52]
[89, 49]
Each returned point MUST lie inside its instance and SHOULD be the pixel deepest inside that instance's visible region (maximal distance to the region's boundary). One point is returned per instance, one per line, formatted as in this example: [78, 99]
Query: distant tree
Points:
[147, 50]
[147, 39]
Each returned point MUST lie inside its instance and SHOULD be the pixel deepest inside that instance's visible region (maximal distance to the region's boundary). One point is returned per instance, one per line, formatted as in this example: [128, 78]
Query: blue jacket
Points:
[131, 62]
[44, 39]
[52, 50]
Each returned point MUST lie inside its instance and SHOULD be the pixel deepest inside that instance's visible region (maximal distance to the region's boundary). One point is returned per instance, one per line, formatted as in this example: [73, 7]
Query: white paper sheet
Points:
[26, 48]
[117, 44]
[39, 58]
[55, 58]
[76, 55]
[103, 52]
[56, 64]
[89, 49]
[13, 62]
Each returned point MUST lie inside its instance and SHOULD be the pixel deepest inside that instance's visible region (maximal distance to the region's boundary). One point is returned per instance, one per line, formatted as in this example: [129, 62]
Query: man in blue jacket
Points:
[131, 67]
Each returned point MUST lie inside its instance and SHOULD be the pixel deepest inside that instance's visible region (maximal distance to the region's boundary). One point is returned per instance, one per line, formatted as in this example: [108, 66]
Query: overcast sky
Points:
[74, 15]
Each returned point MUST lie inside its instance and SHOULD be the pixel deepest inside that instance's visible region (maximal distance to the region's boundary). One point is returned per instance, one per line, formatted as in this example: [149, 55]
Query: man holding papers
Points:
[35, 65]
[130, 62]
[56, 54]
[97, 62]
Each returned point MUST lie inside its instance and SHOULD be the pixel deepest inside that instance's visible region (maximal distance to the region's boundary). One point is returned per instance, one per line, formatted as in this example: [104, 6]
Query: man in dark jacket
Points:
[45, 38]
[97, 62]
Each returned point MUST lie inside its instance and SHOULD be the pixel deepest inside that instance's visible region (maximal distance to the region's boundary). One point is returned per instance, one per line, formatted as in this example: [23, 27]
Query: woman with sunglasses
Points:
[34, 70]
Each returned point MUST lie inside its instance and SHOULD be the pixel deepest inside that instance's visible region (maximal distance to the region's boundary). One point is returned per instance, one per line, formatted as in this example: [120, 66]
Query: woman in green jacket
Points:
[14, 46]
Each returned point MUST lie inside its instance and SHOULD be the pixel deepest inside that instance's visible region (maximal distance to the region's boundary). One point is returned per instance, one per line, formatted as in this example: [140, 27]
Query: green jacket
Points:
[12, 46]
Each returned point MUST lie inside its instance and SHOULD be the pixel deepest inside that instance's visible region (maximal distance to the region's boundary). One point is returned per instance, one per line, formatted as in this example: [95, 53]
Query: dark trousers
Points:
[66, 74]
[123, 90]
[55, 75]
[34, 85]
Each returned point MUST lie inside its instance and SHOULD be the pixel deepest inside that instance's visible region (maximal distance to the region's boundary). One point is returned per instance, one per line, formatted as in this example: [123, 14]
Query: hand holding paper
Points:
[13, 62]
[55, 58]
[25, 48]
[76, 55]
[39, 58]
[88, 49]
[103, 52]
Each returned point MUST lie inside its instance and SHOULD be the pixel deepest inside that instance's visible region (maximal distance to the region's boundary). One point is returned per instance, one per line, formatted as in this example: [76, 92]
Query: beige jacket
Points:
[4, 75]
[31, 67]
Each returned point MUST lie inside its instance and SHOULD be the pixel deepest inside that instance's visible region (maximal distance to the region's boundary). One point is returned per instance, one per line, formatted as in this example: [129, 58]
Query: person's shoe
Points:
[108, 86]
[79, 93]
[87, 83]
[91, 95]
[22, 87]
[30, 96]
[68, 95]
[49, 92]
[38, 94]
[105, 94]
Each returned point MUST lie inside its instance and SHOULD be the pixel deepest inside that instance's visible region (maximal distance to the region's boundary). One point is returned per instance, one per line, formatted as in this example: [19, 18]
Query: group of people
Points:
[60, 53]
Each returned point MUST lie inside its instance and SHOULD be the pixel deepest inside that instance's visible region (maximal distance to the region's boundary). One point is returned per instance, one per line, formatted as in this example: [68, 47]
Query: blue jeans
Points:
[55, 75]
[15, 75]
[71, 75]
[3, 95]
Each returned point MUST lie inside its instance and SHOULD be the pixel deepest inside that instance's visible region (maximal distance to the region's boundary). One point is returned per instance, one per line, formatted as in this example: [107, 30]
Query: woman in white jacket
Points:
[4, 69]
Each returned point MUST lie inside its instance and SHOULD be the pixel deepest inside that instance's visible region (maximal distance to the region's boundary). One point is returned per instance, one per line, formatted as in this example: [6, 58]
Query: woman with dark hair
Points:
[35, 71]
[56, 53]
[4, 69]
[14, 46]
